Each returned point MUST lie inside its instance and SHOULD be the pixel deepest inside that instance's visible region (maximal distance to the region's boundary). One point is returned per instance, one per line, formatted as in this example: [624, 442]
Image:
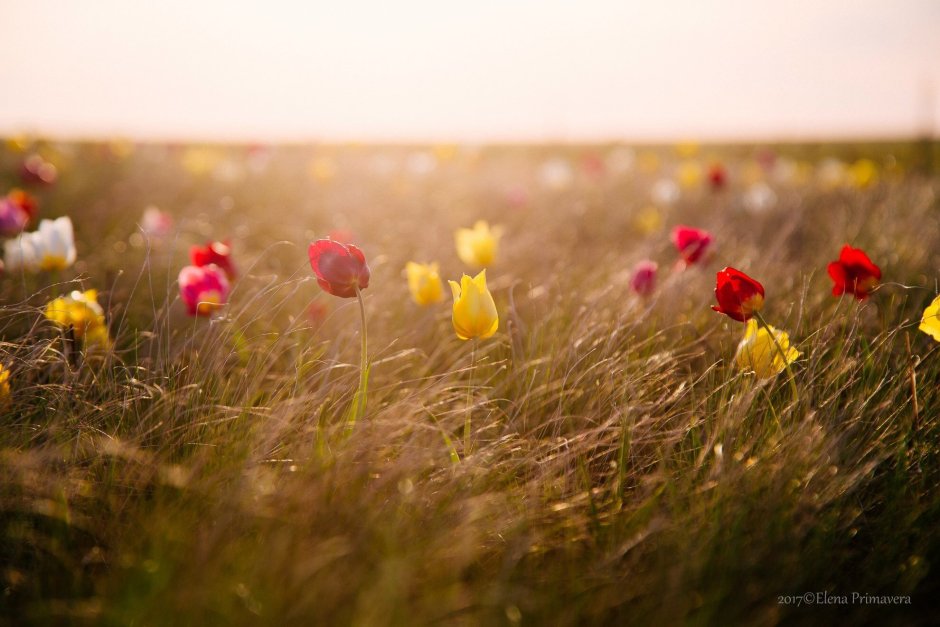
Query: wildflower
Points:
[854, 273]
[25, 201]
[215, 253]
[5, 394]
[322, 169]
[204, 289]
[12, 219]
[665, 192]
[739, 296]
[620, 160]
[52, 247]
[477, 246]
[475, 313]
[156, 223]
[200, 161]
[930, 322]
[341, 269]
[424, 283]
[759, 353]
[689, 174]
[687, 148]
[648, 220]
[691, 243]
[81, 312]
[593, 166]
[643, 281]
[717, 176]
[759, 198]
[863, 173]
[556, 174]
[445, 152]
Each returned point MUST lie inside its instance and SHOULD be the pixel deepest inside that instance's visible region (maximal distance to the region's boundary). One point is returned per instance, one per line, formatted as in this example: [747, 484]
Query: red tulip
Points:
[691, 243]
[218, 253]
[739, 296]
[717, 176]
[25, 201]
[643, 281]
[203, 288]
[340, 268]
[854, 273]
[593, 165]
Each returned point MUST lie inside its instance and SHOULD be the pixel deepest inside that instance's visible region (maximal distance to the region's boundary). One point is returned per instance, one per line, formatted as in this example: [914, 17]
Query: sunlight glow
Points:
[490, 70]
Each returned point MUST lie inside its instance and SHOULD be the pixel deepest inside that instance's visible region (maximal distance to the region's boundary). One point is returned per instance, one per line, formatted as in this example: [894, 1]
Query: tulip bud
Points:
[474, 313]
[739, 296]
[340, 268]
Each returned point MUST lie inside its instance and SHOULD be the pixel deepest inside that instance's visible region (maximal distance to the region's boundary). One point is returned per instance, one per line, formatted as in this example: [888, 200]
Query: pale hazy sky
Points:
[480, 70]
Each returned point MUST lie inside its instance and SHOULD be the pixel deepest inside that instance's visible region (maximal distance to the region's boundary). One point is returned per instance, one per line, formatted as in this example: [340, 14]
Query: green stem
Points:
[466, 425]
[783, 355]
[359, 402]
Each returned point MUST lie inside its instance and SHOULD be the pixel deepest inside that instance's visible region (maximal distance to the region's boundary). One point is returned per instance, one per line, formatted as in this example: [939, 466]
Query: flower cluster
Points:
[341, 269]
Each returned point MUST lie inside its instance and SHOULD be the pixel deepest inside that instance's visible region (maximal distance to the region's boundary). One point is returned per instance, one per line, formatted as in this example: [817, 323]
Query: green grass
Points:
[621, 472]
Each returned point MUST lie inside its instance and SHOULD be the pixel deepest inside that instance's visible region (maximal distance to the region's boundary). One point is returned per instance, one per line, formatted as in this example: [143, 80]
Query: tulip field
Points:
[469, 385]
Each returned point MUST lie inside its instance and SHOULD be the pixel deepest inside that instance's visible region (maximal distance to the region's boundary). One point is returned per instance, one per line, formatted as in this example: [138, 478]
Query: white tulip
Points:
[52, 247]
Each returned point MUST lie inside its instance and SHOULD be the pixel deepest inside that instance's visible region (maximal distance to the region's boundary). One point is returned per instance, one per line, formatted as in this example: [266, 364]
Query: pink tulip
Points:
[691, 243]
[644, 277]
[12, 219]
[156, 223]
[204, 289]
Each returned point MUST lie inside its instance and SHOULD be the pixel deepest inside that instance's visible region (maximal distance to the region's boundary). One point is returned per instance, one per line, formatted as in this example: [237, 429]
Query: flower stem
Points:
[466, 424]
[783, 356]
[359, 401]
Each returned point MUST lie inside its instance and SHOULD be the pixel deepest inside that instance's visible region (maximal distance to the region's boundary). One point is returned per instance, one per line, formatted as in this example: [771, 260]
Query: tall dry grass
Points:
[621, 470]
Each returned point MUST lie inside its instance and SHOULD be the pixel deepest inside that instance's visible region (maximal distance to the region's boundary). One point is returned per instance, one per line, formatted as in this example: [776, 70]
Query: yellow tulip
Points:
[758, 352]
[81, 312]
[687, 148]
[477, 246]
[323, 169]
[5, 393]
[424, 283]
[445, 152]
[474, 310]
[200, 161]
[863, 173]
[648, 221]
[930, 323]
[689, 174]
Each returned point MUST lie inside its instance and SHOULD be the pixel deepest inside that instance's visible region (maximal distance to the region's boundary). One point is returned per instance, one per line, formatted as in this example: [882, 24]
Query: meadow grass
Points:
[622, 471]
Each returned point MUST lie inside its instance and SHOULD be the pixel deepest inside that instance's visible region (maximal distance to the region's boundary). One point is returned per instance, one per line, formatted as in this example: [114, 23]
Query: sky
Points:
[488, 70]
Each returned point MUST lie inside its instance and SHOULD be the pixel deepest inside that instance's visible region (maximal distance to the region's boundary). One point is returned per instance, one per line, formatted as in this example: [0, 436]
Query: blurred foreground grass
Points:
[622, 470]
